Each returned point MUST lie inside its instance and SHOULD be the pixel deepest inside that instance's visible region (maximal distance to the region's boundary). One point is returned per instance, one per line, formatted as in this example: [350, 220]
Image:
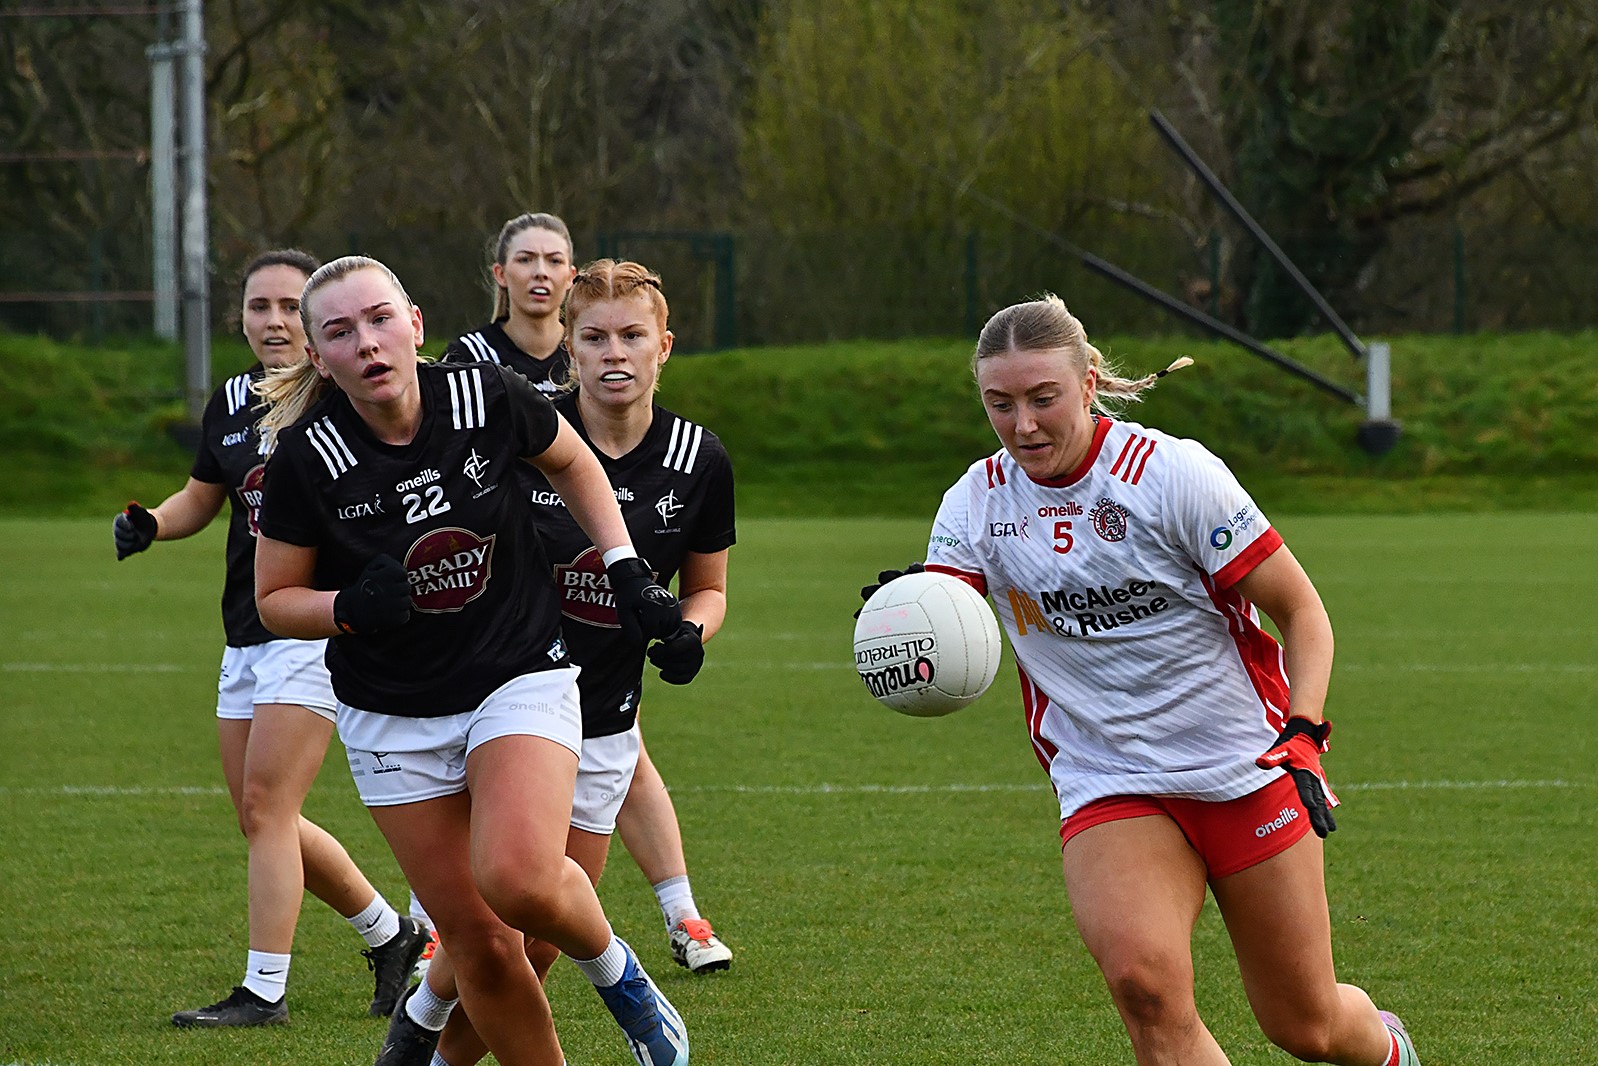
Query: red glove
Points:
[1298, 751]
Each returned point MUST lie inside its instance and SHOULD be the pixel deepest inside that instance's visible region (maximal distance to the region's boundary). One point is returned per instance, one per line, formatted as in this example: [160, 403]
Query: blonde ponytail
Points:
[1045, 325]
[288, 392]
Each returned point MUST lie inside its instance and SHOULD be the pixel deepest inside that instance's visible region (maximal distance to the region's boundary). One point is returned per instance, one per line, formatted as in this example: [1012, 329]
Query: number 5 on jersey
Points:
[1062, 537]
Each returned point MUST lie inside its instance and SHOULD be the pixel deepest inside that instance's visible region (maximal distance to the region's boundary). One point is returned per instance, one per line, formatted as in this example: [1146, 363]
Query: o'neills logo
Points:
[585, 590]
[448, 568]
[898, 676]
[1288, 814]
[250, 496]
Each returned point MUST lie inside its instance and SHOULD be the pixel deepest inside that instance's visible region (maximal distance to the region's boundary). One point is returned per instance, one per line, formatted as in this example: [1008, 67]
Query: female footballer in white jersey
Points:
[275, 701]
[1126, 566]
[394, 523]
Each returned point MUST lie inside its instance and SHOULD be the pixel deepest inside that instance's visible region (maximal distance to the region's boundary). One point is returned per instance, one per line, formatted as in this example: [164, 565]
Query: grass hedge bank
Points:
[1490, 422]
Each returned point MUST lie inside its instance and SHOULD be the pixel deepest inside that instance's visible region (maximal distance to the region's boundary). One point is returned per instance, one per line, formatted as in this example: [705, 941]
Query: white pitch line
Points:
[100, 668]
[850, 790]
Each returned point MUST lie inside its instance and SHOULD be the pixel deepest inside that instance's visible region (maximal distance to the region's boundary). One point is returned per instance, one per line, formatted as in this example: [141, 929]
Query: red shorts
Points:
[1229, 836]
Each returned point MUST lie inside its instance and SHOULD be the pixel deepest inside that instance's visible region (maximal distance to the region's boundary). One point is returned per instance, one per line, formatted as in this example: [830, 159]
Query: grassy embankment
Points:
[1490, 422]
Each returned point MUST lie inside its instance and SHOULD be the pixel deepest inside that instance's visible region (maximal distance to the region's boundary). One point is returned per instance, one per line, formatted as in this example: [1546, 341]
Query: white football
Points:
[927, 644]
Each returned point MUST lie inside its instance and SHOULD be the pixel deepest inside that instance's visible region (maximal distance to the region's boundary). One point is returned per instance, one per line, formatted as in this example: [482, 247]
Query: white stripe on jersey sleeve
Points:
[467, 409]
[238, 393]
[335, 454]
[693, 452]
[671, 446]
[481, 348]
[683, 449]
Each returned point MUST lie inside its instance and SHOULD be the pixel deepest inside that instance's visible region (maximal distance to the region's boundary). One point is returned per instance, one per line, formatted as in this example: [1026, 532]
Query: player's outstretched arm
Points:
[1280, 587]
[182, 514]
[702, 588]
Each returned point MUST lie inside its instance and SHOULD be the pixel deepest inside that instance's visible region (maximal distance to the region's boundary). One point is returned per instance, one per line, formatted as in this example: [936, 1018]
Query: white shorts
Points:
[404, 760]
[603, 777]
[279, 671]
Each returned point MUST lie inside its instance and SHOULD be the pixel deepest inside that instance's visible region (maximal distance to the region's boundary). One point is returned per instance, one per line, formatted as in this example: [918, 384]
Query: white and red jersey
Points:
[1143, 672]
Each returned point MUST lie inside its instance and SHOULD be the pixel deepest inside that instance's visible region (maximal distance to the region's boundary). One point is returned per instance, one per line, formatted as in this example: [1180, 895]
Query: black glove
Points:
[883, 578]
[380, 599]
[680, 655]
[645, 610]
[134, 530]
[1298, 751]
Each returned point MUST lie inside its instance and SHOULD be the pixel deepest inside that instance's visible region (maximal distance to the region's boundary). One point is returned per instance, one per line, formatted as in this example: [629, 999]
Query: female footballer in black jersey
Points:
[393, 522]
[275, 702]
[673, 481]
[532, 273]
[532, 270]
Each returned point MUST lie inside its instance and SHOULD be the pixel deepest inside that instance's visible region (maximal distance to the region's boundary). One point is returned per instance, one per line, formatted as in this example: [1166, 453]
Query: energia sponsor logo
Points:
[896, 677]
[1285, 816]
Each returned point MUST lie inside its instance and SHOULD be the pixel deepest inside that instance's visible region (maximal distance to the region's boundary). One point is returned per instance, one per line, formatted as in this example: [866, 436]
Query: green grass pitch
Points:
[891, 886]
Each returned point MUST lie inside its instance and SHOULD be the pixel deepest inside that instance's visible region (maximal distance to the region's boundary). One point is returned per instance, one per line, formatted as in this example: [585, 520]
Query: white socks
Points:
[608, 968]
[377, 924]
[426, 1009]
[267, 975]
[676, 901]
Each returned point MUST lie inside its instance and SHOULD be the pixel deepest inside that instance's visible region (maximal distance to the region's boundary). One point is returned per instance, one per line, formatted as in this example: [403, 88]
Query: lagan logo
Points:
[250, 496]
[1109, 520]
[898, 677]
[449, 568]
[585, 590]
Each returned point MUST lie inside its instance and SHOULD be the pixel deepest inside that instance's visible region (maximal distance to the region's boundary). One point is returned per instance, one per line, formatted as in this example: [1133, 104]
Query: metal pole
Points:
[1379, 433]
[1378, 382]
[1228, 201]
[196, 251]
[163, 189]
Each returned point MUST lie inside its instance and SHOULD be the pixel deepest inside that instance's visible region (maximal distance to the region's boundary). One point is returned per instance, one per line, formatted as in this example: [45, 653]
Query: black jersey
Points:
[675, 492]
[230, 455]
[452, 508]
[491, 344]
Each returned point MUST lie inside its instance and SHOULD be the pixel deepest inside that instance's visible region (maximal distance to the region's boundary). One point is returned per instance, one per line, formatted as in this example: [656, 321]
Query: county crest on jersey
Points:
[491, 344]
[676, 494]
[230, 455]
[1143, 671]
[448, 505]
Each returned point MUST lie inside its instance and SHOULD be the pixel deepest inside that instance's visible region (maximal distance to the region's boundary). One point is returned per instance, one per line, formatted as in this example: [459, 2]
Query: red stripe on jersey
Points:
[995, 470]
[975, 580]
[1034, 703]
[1127, 449]
[1248, 559]
[1144, 461]
[1261, 656]
[1133, 453]
[1101, 429]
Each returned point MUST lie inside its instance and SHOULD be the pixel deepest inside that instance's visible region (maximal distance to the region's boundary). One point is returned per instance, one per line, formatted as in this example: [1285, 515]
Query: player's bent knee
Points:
[1151, 995]
[521, 899]
[261, 807]
[1306, 1039]
[487, 952]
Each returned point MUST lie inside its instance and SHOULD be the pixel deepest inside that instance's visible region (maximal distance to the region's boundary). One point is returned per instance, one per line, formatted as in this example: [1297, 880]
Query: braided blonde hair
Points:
[1045, 325]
